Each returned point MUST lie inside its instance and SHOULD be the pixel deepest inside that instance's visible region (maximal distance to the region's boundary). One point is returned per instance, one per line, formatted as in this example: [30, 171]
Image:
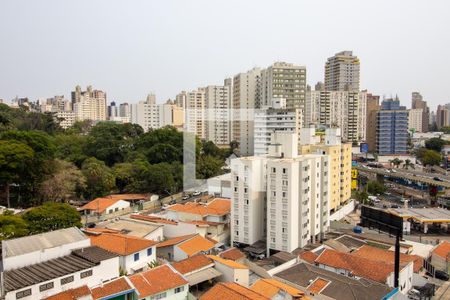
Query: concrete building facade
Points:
[89, 104]
[415, 119]
[342, 72]
[218, 113]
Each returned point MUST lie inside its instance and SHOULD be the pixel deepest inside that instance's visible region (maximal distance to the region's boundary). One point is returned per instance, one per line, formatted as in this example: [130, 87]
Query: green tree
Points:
[397, 162]
[435, 144]
[164, 153]
[14, 156]
[375, 188]
[408, 164]
[12, 226]
[159, 179]
[70, 147]
[99, 178]
[51, 216]
[209, 166]
[431, 158]
[362, 197]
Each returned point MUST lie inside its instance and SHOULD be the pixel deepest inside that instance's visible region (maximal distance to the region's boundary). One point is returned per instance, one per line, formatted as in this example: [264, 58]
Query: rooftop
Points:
[427, 215]
[192, 263]
[231, 291]
[271, 287]
[38, 242]
[227, 262]
[317, 286]
[120, 244]
[94, 254]
[443, 250]
[232, 254]
[196, 245]
[218, 207]
[71, 294]
[130, 227]
[308, 256]
[99, 205]
[340, 287]
[111, 288]
[153, 219]
[174, 241]
[156, 280]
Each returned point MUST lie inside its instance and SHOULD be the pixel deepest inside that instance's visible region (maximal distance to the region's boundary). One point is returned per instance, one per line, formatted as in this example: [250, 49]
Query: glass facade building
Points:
[392, 128]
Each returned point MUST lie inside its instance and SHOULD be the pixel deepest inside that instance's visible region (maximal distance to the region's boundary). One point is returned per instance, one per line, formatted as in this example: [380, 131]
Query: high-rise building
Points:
[89, 104]
[282, 198]
[342, 72]
[66, 119]
[284, 80]
[392, 128]
[269, 120]
[417, 102]
[442, 116]
[125, 112]
[245, 99]
[195, 112]
[372, 108]
[218, 113]
[340, 160]
[180, 99]
[341, 109]
[113, 111]
[415, 116]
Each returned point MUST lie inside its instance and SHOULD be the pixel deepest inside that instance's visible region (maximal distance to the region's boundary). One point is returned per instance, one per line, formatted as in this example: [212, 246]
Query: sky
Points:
[132, 48]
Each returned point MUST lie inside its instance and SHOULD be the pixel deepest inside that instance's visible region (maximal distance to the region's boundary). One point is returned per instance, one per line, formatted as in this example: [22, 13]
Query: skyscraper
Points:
[392, 128]
[442, 116]
[89, 104]
[218, 113]
[195, 112]
[417, 102]
[372, 108]
[342, 72]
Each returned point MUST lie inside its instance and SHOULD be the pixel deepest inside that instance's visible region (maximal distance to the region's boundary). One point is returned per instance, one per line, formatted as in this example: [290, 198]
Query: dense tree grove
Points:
[41, 162]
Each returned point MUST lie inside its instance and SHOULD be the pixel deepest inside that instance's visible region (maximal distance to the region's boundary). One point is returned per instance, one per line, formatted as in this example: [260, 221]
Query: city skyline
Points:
[144, 51]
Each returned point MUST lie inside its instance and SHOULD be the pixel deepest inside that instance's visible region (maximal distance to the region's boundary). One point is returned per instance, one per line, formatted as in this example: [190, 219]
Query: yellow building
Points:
[340, 160]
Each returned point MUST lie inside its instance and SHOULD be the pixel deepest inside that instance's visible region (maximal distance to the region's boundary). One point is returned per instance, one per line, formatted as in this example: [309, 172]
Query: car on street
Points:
[441, 275]
[196, 193]
[185, 197]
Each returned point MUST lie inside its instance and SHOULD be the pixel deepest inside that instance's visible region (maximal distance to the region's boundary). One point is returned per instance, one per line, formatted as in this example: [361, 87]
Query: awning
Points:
[202, 276]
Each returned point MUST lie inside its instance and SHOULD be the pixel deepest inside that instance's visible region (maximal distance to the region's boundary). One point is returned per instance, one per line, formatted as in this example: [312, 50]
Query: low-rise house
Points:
[104, 206]
[86, 266]
[323, 284]
[233, 254]
[231, 291]
[231, 270]
[356, 266]
[135, 254]
[440, 257]
[161, 282]
[182, 247]
[136, 228]
[274, 289]
[217, 210]
[197, 269]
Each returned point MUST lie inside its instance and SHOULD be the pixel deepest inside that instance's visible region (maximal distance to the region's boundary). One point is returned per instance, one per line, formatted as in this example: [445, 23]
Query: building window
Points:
[274, 170]
[23, 294]
[66, 280]
[179, 289]
[284, 170]
[136, 256]
[86, 274]
[159, 296]
[116, 209]
[149, 251]
[46, 286]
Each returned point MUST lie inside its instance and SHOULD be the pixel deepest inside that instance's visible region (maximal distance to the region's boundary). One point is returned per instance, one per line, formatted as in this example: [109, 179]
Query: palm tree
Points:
[408, 164]
[397, 162]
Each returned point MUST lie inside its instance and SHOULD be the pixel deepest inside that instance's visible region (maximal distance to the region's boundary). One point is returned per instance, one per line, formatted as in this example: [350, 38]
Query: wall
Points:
[405, 278]
[170, 294]
[166, 253]
[119, 205]
[143, 261]
[229, 274]
[180, 229]
[178, 254]
[343, 211]
[156, 235]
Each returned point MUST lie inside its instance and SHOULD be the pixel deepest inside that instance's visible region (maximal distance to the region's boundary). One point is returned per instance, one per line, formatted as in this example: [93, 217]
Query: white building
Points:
[104, 206]
[66, 118]
[271, 119]
[89, 104]
[195, 112]
[218, 113]
[150, 115]
[282, 197]
[220, 186]
[415, 117]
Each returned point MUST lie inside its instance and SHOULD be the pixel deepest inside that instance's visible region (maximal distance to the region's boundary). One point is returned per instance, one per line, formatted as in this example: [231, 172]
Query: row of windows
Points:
[149, 253]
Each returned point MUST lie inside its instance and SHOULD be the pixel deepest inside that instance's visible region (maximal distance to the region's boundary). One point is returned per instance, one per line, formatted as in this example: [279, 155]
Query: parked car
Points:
[173, 201]
[196, 193]
[394, 206]
[185, 197]
[441, 275]
[437, 179]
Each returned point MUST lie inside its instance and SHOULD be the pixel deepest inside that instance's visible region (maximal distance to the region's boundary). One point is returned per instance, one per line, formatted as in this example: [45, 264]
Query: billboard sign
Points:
[364, 148]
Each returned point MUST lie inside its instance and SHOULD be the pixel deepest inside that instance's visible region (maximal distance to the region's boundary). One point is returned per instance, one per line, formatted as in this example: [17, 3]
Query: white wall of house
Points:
[180, 293]
[128, 263]
[180, 229]
[404, 279]
[105, 271]
[119, 205]
[440, 263]
[156, 235]
[35, 257]
[178, 254]
[229, 274]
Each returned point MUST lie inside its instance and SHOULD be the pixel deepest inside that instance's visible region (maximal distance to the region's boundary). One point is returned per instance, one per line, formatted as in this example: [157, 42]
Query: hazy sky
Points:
[130, 48]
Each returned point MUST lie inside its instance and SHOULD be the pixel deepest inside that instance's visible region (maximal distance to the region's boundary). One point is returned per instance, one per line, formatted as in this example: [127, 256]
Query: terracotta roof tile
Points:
[192, 263]
[175, 240]
[231, 291]
[318, 285]
[72, 294]
[196, 245]
[382, 255]
[227, 262]
[156, 280]
[111, 288]
[232, 254]
[308, 256]
[152, 219]
[120, 243]
[443, 250]
[99, 205]
[217, 207]
[271, 287]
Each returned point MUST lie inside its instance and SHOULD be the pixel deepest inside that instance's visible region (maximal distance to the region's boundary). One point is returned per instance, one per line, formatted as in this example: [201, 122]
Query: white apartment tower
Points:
[342, 72]
[218, 113]
[245, 99]
[150, 115]
[195, 112]
[415, 119]
[89, 104]
[282, 197]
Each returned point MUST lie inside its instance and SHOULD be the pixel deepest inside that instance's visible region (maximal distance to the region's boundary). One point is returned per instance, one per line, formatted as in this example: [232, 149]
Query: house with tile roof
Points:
[161, 282]
[197, 269]
[135, 254]
[217, 210]
[132, 227]
[231, 270]
[231, 291]
[440, 257]
[182, 247]
[103, 206]
[275, 289]
[352, 265]
[233, 254]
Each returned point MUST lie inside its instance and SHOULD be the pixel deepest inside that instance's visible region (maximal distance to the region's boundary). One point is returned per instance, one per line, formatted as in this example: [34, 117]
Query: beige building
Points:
[442, 116]
[342, 72]
[415, 119]
[89, 104]
[66, 118]
[340, 161]
[372, 108]
[218, 113]
[195, 112]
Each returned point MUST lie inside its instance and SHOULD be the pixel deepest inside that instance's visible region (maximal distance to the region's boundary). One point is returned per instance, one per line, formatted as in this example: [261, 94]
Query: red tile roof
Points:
[381, 255]
[217, 207]
[227, 262]
[72, 294]
[443, 250]
[317, 285]
[153, 219]
[111, 288]
[231, 291]
[196, 245]
[308, 256]
[174, 241]
[271, 287]
[99, 205]
[156, 280]
[192, 263]
[232, 254]
[120, 243]
[359, 266]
